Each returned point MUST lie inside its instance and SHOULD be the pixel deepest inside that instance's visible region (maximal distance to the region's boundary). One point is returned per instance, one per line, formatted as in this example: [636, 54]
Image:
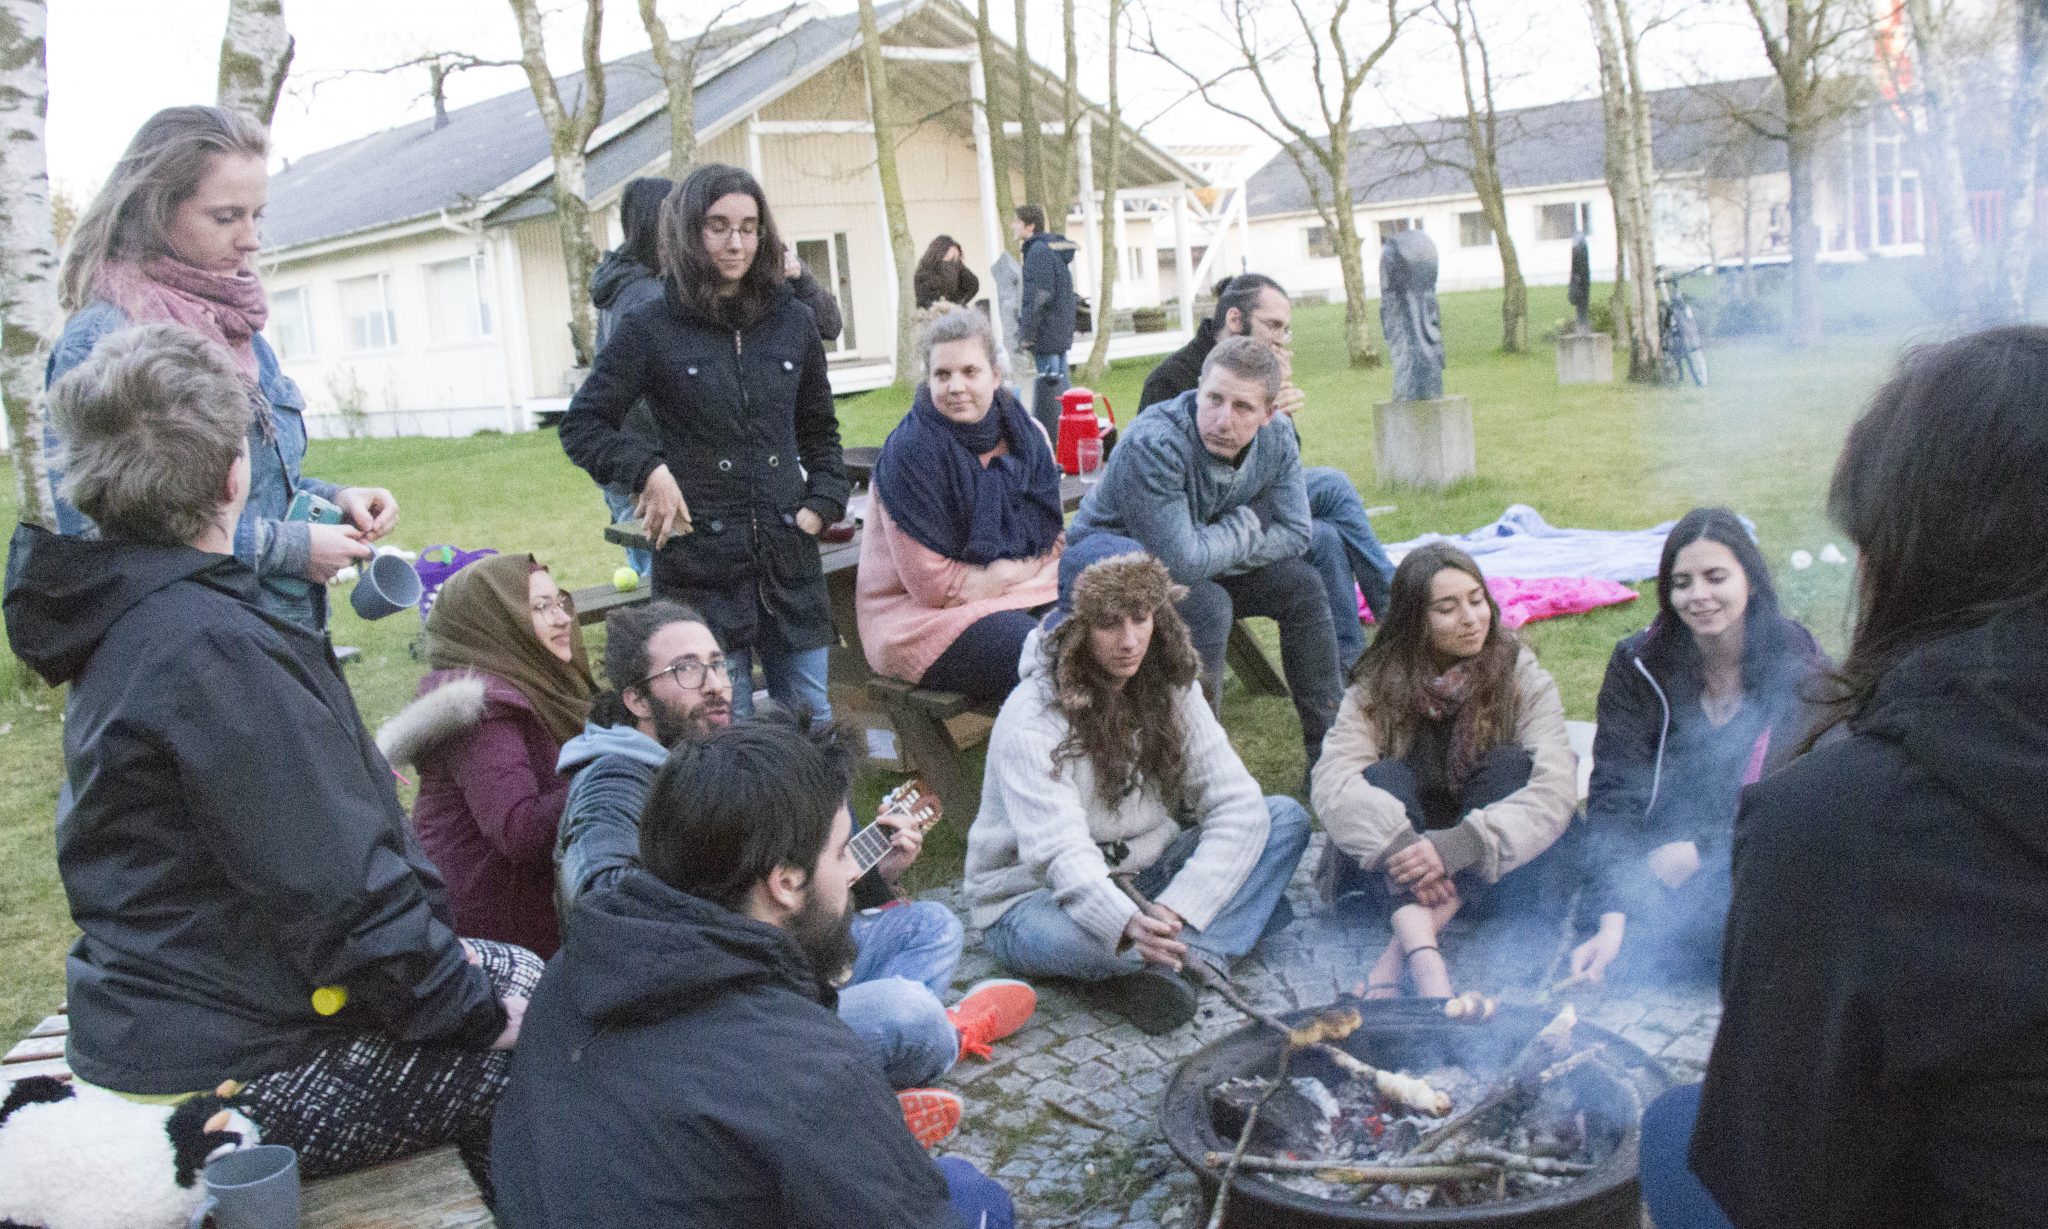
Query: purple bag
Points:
[436, 564]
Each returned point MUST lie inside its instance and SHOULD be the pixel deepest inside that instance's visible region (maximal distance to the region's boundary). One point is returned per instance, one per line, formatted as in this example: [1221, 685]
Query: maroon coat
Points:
[489, 803]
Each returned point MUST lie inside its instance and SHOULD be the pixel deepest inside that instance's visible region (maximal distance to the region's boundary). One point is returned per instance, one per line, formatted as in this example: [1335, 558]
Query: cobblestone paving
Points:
[1066, 1113]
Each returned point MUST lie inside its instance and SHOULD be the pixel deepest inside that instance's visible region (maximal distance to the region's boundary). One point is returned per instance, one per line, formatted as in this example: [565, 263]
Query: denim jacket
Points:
[278, 550]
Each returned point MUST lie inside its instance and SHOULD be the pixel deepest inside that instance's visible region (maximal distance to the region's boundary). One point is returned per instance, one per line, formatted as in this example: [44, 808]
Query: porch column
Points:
[889, 281]
[985, 170]
[1091, 210]
[1183, 266]
[754, 145]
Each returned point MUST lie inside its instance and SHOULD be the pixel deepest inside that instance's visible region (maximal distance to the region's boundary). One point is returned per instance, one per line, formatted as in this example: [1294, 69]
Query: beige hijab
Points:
[482, 621]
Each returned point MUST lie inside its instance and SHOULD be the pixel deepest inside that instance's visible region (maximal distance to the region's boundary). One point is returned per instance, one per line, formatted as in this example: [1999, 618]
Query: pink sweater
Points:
[913, 602]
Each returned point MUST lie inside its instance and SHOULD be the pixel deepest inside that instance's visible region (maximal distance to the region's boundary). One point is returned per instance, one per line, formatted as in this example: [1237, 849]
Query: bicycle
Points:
[1678, 330]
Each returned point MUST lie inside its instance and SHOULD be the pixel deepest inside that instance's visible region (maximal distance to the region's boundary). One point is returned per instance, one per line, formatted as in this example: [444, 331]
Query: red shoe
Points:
[932, 1114]
[990, 1011]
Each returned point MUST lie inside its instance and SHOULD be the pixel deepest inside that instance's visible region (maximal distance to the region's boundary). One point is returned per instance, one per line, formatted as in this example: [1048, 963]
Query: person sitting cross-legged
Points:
[670, 688]
[681, 1063]
[252, 905]
[1210, 483]
[1104, 745]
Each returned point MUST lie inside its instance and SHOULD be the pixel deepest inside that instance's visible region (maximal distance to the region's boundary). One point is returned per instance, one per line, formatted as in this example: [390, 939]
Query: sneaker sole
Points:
[931, 1115]
[1153, 1004]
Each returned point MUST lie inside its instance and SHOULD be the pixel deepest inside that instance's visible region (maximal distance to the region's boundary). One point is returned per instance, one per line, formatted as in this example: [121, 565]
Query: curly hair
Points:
[1130, 735]
[1400, 661]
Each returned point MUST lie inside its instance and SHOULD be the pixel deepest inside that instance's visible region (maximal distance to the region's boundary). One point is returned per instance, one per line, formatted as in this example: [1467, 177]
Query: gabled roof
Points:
[1692, 130]
[417, 170]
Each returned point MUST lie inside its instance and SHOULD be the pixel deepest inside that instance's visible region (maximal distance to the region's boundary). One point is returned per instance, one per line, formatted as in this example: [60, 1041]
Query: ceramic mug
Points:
[252, 1188]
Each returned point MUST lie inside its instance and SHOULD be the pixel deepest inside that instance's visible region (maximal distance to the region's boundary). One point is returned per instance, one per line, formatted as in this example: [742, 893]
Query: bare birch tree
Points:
[2023, 171]
[1105, 296]
[28, 250]
[998, 144]
[568, 140]
[1631, 180]
[440, 66]
[679, 60]
[1319, 147]
[255, 53]
[1066, 186]
[1807, 43]
[1941, 155]
[900, 250]
[1027, 117]
[1482, 163]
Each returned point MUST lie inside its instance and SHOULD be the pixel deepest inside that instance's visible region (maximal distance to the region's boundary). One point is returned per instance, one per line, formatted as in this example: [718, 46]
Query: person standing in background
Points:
[1046, 326]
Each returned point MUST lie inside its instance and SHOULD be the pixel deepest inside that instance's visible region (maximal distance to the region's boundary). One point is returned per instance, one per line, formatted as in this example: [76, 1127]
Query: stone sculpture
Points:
[1580, 292]
[1408, 315]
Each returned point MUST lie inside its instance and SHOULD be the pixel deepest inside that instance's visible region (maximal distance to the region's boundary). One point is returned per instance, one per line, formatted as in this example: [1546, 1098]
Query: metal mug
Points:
[251, 1188]
[389, 585]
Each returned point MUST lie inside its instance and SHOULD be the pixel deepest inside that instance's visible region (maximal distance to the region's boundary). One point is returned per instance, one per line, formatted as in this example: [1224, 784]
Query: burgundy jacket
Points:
[489, 804]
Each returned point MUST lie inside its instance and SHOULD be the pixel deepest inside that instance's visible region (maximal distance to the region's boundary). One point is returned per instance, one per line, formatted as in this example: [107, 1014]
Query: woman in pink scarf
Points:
[169, 240]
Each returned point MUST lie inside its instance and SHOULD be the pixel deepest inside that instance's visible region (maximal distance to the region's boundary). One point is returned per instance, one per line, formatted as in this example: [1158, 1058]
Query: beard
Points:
[672, 725]
[825, 938]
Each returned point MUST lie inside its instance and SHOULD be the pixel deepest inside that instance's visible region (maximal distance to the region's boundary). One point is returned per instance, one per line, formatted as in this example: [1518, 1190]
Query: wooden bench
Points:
[594, 603]
[430, 1190]
[928, 745]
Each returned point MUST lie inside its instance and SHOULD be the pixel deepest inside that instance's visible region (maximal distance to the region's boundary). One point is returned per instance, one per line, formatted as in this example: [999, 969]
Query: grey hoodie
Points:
[612, 771]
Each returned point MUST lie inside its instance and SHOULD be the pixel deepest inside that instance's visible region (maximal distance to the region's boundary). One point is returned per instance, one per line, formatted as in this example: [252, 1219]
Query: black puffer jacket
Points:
[744, 421]
[681, 1065]
[234, 841]
[1180, 371]
[1883, 1053]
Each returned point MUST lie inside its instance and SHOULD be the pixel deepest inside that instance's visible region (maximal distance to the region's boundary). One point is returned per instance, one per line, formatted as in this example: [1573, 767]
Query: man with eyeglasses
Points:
[906, 950]
[1342, 547]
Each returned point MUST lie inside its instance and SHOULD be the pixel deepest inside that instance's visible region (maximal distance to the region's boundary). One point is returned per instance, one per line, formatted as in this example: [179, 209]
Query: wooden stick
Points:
[1516, 1078]
[1244, 1139]
[1487, 1154]
[1352, 1171]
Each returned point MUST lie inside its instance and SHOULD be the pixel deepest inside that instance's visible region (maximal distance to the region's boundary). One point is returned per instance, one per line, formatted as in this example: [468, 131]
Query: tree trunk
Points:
[2029, 102]
[1635, 272]
[1112, 256]
[255, 52]
[679, 77]
[1361, 341]
[28, 252]
[1643, 235]
[568, 139]
[1482, 143]
[1069, 190]
[1514, 299]
[1942, 166]
[998, 144]
[1799, 160]
[1027, 119]
[892, 194]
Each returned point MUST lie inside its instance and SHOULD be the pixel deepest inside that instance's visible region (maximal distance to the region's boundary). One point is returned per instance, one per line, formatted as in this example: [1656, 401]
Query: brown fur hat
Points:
[1105, 577]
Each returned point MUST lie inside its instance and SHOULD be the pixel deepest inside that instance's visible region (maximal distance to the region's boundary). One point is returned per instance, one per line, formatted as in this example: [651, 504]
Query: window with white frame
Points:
[1322, 244]
[1564, 221]
[367, 320]
[457, 310]
[1473, 232]
[290, 328]
[1389, 227]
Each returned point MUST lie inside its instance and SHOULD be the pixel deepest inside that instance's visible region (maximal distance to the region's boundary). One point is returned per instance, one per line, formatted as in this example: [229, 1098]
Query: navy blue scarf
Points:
[943, 497]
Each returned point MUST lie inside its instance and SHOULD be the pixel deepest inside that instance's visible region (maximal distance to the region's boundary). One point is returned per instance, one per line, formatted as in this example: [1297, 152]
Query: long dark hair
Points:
[934, 257]
[1400, 661]
[1134, 734]
[686, 262]
[1940, 487]
[1670, 648]
[640, 220]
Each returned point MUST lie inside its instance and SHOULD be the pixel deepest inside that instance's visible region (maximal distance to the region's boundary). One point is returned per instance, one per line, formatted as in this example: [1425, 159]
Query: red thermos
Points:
[1078, 421]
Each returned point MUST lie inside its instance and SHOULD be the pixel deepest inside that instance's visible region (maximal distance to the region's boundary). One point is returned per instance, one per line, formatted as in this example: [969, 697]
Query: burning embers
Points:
[1402, 1113]
[1521, 1134]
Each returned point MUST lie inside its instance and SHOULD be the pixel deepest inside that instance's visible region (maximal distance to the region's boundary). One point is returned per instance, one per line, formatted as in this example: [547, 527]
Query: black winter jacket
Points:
[1180, 371]
[1048, 295]
[621, 284]
[233, 841]
[745, 423]
[950, 280]
[1662, 772]
[681, 1065]
[1883, 1053]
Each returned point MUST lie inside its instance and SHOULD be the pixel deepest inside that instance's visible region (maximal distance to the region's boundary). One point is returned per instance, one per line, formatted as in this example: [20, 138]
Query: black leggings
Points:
[982, 662]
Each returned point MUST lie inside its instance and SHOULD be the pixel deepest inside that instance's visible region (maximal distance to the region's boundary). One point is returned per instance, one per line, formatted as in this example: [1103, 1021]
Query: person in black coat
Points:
[745, 470]
[1705, 701]
[252, 903]
[681, 1063]
[943, 275]
[1882, 1059]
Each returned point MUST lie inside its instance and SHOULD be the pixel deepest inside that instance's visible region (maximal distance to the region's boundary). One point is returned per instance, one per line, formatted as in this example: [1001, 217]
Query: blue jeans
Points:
[623, 506]
[1344, 550]
[1676, 1199]
[1036, 938]
[1287, 592]
[905, 962]
[794, 680]
[980, 1200]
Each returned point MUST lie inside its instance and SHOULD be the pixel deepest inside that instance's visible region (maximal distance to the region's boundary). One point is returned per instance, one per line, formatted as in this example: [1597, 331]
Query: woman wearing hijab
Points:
[168, 240]
[965, 530]
[510, 684]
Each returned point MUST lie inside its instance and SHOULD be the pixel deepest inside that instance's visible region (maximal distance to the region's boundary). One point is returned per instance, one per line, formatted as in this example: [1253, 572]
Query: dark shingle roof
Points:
[416, 170]
[1559, 143]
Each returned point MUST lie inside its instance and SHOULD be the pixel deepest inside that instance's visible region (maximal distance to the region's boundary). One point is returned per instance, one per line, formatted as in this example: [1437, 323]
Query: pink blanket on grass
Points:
[1526, 601]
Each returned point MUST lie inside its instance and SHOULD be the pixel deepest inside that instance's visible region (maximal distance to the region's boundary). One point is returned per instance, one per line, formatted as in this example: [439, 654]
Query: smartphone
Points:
[306, 506]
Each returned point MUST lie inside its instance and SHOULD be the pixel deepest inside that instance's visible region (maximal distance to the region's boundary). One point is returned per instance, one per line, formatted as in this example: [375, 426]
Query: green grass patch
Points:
[1763, 440]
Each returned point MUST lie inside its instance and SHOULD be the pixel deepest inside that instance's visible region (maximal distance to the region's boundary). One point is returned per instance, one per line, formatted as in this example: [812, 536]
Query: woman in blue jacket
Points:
[169, 240]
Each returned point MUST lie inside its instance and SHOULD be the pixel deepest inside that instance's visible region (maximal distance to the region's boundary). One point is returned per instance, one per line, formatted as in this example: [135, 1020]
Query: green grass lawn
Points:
[1762, 439]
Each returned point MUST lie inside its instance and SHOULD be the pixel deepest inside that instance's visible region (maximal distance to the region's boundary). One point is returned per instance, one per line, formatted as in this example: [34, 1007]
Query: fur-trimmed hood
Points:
[1107, 576]
[451, 706]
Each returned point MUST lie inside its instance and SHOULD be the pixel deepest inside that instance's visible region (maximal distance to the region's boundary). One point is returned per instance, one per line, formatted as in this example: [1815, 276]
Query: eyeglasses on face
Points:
[549, 607]
[689, 673]
[718, 229]
[1275, 328]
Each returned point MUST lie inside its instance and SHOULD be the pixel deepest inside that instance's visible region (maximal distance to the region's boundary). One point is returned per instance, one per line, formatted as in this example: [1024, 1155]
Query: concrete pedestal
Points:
[1424, 443]
[1585, 358]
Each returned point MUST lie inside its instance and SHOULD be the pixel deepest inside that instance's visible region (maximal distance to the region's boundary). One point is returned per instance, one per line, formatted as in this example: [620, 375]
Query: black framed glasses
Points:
[689, 673]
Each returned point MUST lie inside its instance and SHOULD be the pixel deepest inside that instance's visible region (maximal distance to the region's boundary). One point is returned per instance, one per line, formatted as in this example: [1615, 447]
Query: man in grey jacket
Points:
[1210, 482]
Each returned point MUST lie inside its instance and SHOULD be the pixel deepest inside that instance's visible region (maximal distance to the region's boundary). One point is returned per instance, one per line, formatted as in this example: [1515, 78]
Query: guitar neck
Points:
[868, 847]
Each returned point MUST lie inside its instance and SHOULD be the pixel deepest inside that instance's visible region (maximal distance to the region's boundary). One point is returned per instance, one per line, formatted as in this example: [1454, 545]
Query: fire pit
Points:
[1415, 1036]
